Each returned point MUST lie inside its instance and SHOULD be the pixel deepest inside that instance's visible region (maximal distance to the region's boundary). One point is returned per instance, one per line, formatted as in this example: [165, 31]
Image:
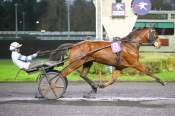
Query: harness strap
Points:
[118, 58]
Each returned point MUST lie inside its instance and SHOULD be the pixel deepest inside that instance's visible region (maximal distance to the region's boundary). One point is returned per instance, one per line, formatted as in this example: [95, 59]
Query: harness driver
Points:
[23, 62]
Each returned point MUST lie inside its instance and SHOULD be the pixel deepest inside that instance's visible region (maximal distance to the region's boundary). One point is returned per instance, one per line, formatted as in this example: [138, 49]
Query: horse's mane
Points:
[133, 33]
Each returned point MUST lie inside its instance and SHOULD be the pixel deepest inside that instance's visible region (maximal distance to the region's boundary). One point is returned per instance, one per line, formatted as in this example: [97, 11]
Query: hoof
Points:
[38, 96]
[94, 90]
[91, 94]
[101, 86]
[163, 83]
[160, 81]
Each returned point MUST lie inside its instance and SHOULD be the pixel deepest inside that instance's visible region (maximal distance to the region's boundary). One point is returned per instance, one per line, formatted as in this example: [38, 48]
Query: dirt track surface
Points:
[125, 99]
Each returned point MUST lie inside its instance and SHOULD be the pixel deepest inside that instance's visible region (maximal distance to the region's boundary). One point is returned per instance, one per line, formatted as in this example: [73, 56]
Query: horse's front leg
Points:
[83, 74]
[143, 69]
[115, 75]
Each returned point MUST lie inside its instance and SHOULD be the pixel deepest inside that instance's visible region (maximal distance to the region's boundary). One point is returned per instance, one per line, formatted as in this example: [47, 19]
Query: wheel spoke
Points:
[59, 87]
[57, 80]
[44, 84]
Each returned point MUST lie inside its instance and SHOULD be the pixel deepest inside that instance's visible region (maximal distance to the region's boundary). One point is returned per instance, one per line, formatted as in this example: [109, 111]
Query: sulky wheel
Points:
[51, 85]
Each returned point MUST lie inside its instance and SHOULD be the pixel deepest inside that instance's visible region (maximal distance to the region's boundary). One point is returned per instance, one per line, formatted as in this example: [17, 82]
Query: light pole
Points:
[37, 25]
[23, 22]
[16, 19]
[68, 18]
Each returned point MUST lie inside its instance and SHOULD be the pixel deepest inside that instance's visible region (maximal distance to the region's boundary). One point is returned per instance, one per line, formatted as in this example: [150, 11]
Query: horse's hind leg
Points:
[71, 67]
[84, 73]
[142, 69]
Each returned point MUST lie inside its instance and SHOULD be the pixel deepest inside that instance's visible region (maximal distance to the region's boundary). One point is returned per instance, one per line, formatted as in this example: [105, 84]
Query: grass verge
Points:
[8, 72]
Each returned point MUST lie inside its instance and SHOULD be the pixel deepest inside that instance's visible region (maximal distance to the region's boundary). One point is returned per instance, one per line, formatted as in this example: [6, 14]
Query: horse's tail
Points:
[59, 52]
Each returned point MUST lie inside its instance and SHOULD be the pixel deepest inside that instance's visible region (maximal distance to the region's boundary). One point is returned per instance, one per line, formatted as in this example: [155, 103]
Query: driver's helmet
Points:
[14, 46]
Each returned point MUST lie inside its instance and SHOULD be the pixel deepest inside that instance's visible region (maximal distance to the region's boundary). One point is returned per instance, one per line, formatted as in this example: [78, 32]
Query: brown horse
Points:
[86, 52]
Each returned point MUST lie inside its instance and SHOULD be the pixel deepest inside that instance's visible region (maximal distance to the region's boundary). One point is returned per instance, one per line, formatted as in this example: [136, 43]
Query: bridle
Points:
[152, 36]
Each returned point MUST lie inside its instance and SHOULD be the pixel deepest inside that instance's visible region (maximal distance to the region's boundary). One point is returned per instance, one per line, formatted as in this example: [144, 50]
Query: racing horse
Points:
[86, 52]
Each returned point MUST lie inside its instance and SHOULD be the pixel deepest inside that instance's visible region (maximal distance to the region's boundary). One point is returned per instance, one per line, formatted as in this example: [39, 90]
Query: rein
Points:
[43, 53]
[130, 41]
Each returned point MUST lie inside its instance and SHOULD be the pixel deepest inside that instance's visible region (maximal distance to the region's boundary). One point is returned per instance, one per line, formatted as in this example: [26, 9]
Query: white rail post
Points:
[99, 26]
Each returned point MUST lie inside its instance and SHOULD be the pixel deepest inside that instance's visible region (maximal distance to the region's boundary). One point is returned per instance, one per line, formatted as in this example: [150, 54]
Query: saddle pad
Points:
[116, 47]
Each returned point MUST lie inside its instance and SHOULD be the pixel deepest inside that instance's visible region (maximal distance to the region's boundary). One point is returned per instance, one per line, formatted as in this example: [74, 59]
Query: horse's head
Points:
[149, 36]
[153, 38]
